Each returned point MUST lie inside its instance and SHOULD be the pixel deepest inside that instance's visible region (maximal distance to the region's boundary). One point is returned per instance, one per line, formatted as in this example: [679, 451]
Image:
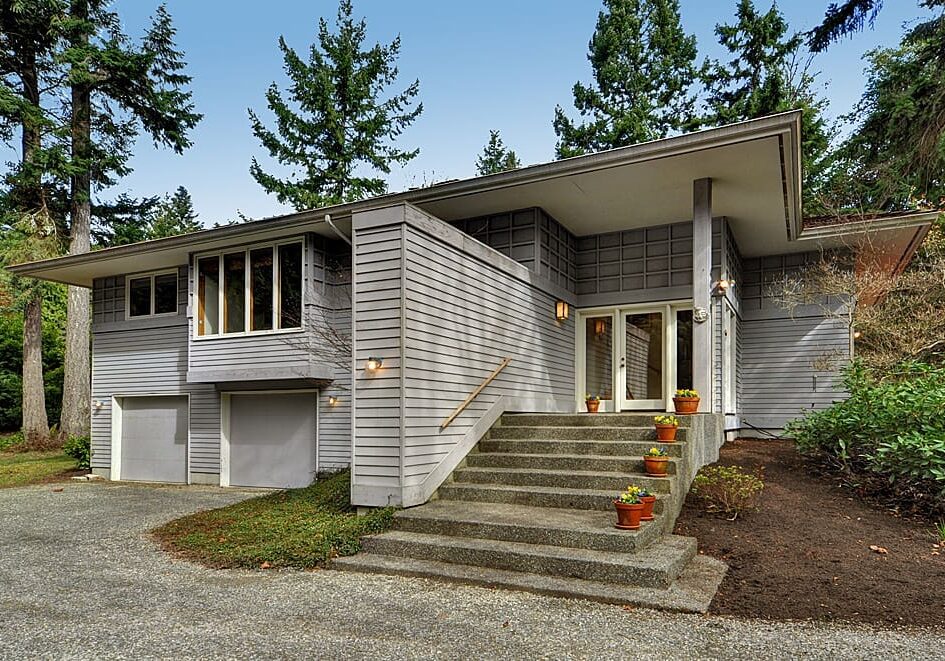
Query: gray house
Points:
[262, 353]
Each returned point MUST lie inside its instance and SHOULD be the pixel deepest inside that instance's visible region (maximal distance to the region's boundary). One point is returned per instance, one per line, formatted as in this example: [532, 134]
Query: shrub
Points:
[11, 441]
[80, 449]
[727, 490]
[892, 427]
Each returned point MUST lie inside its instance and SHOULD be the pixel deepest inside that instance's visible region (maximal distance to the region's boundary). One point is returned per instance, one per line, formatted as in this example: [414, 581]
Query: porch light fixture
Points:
[562, 310]
[857, 335]
[723, 285]
[600, 327]
[374, 363]
[332, 400]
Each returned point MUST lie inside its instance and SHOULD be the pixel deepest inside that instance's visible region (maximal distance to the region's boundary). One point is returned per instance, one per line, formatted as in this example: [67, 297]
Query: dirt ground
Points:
[805, 554]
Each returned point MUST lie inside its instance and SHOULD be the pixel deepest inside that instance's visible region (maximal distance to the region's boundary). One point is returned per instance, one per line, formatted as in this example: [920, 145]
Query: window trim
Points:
[247, 290]
[152, 275]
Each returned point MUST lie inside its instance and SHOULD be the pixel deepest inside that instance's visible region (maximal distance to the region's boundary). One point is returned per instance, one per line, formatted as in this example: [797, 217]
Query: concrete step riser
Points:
[552, 462]
[483, 494]
[534, 563]
[605, 448]
[581, 433]
[587, 420]
[616, 541]
[564, 480]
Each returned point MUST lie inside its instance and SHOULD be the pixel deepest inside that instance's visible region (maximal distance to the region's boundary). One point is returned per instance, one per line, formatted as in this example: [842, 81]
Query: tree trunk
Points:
[35, 423]
[76, 401]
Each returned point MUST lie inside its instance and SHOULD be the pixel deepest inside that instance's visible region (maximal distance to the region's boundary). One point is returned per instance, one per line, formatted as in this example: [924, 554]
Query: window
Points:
[261, 290]
[152, 295]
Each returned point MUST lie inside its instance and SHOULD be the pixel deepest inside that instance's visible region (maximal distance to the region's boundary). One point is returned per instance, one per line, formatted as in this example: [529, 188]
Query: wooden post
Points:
[702, 291]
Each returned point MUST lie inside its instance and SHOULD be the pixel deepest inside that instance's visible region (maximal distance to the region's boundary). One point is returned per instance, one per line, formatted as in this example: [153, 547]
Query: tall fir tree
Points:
[644, 67]
[333, 121]
[27, 46]
[117, 90]
[127, 220]
[768, 73]
[496, 157]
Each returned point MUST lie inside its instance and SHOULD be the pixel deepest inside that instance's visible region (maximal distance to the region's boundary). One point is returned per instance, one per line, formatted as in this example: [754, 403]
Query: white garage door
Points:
[154, 439]
[272, 439]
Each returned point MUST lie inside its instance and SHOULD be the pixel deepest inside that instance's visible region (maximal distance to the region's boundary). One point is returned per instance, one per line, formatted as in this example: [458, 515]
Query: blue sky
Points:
[482, 65]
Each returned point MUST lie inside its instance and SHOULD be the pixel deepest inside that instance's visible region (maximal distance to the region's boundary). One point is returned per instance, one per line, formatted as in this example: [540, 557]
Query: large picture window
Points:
[152, 295]
[253, 290]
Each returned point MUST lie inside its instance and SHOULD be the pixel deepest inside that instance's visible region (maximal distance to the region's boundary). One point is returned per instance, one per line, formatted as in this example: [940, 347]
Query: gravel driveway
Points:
[79, 578]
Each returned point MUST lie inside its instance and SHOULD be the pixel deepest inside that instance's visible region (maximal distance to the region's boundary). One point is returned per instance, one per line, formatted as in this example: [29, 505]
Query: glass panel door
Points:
[642, 363]
[599, 359]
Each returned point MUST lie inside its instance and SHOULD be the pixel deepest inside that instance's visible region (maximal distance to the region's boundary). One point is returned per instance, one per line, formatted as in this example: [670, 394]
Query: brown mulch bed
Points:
[805, 554]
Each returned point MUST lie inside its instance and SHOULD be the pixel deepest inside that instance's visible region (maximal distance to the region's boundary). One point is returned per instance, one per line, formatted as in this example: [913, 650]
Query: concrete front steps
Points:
[531, 509]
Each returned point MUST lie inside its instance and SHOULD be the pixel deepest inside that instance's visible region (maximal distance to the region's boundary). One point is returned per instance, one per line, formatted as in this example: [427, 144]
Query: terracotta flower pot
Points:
[686, 404]
[592, 405]
[628, 515]
[647, 501]
[666, 433]
[656, 465]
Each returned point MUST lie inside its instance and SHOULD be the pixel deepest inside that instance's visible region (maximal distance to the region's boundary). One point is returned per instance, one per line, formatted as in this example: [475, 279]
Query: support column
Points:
[702, 291]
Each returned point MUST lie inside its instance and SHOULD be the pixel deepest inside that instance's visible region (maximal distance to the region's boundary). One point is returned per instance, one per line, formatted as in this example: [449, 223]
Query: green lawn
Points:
[300, 528]
[21, 468]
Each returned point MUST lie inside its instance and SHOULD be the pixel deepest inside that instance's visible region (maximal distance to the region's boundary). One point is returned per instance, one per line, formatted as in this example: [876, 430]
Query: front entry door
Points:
[641, 367]
[634, 358]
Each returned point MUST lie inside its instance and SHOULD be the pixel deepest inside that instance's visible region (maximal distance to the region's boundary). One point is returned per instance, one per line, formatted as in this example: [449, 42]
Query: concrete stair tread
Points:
[660, 556]
[556, 471]
[609, 457]
[691, 592]
[608, 493]
[519, 515]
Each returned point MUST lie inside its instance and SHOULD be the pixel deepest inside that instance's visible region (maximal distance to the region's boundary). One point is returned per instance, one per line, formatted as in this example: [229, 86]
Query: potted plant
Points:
[686, 400]
[648, 500]
[656, 461]
[592, 402]
[666, 426]
[629, 509]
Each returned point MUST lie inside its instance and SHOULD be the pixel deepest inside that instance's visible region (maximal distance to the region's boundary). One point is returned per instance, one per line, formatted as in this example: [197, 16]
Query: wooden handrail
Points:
[475, 393]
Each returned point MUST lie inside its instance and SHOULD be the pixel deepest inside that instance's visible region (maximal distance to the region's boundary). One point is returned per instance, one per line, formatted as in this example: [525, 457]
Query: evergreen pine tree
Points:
[495, 157]
[333, 121]
[117, 90]
[644, 66]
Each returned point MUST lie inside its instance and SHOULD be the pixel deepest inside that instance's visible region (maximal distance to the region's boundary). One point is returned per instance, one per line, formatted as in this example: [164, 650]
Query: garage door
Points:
[154, 439]
[272, 440]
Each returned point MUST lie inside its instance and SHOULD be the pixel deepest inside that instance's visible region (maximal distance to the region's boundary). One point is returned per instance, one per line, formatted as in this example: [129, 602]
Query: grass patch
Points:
[301, 528]
[22, 468]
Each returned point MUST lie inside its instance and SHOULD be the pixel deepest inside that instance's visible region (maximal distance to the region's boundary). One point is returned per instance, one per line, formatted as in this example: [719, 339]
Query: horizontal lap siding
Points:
[782, 373]
[151, 361]
[377, 299]
[463, 317]
[334, 425]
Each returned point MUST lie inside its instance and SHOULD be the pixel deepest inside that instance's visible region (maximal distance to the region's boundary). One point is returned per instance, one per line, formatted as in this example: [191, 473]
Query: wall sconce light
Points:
[724, 285]
[562, 310]
[98, 404]
[374, 363]
[332, 400]
[600, 327]
[857, 335]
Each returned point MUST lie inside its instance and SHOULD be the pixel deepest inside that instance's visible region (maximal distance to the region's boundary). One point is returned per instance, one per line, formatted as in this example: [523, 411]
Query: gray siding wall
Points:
[146, 356]
[789, 360]
[154, 355]
[452, 310]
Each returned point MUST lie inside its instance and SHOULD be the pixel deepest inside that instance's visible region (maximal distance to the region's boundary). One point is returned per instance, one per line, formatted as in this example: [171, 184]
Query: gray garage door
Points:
[154, 439]
[272, 440]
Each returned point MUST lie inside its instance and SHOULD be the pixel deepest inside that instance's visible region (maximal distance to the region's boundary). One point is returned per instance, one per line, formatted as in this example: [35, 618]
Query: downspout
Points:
[341, 235]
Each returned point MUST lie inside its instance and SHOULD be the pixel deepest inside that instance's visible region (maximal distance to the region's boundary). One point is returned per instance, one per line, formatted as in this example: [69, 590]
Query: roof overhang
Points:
[755, 168]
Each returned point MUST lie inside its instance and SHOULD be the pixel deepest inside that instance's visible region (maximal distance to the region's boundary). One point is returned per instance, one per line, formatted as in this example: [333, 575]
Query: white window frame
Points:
[247, 290]
[152, 275]
[669, 309]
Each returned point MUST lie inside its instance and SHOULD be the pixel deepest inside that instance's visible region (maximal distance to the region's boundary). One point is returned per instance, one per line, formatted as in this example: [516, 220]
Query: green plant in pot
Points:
[656, 462]
[686, 400]
[648, 500]
[592, 402]
[629, 508]
[666, 426]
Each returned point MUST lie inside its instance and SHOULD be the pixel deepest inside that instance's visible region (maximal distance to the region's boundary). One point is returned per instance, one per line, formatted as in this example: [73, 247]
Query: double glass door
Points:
[633, 359]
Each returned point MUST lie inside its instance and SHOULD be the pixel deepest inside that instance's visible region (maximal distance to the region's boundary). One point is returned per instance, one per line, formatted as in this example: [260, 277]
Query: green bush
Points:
[892, 426]
[80, 449]
[727, 490]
